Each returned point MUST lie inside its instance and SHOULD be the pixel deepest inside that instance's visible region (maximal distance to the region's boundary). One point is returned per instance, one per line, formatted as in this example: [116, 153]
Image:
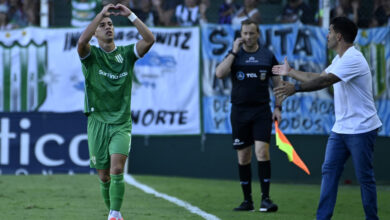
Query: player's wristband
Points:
[132, 17]
[232, 53]
[297, 87]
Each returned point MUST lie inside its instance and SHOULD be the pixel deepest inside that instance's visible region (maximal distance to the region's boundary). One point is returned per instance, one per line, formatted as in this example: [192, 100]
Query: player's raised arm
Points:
[83, 46]
[147, 40]
[285, 70]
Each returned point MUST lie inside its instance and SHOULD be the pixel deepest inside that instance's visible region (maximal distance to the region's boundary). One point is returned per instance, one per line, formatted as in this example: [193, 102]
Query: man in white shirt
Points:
[357, 122]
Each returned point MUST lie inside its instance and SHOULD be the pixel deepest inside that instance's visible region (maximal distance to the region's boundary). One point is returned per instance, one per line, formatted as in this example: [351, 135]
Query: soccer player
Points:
[108, 72]
[249, 65]
[357, 122]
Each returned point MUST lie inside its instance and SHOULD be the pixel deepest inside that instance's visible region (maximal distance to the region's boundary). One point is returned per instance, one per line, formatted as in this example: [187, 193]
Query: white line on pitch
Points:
[193, 209]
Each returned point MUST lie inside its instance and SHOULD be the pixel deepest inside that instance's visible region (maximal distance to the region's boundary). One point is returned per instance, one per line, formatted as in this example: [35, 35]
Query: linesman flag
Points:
[285, 145]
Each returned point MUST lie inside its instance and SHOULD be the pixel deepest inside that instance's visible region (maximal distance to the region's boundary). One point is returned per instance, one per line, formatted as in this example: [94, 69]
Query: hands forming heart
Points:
[116, 10]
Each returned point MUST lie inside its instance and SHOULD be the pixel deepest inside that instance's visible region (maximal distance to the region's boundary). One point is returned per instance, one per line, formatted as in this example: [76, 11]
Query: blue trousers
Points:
[340, 146]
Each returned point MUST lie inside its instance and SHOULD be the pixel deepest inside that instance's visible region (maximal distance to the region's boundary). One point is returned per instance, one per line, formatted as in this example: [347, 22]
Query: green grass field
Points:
[64, 197]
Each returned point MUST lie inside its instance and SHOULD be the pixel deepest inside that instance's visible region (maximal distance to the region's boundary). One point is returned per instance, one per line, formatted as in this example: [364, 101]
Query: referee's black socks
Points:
[245, 173]
[264, 171]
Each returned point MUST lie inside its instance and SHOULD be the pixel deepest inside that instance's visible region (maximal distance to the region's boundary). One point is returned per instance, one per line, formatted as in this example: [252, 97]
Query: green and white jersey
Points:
[108, 82]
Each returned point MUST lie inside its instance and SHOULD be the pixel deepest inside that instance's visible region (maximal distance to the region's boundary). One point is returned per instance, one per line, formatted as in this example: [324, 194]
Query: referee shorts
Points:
[106, 139]
[250, 123]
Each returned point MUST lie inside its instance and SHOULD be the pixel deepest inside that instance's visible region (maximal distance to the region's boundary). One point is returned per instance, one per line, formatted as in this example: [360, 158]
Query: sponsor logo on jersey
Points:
[240, 75]
[119, 58]
[113, 76]
[251, 59]
[251, 75]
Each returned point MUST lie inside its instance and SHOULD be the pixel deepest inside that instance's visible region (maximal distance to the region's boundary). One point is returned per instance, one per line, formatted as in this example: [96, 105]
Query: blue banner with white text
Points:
[43, 143]
[305, 47]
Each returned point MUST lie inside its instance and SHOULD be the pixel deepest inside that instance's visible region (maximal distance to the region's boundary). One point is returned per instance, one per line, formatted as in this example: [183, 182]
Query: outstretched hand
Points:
[284, 90]
[283, 69]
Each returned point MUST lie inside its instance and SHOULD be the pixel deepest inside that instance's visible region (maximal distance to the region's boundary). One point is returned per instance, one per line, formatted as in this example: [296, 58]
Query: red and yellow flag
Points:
[285, 145]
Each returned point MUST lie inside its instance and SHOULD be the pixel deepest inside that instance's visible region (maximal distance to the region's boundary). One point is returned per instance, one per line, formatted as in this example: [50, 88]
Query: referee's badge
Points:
[263, 74]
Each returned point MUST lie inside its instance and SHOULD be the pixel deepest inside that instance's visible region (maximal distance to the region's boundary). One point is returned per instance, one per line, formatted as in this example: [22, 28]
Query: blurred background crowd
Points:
[78, 13]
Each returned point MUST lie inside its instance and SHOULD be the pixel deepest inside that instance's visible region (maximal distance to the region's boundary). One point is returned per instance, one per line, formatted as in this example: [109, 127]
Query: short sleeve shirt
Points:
[250, 74]
[353, 98]
[108, 82]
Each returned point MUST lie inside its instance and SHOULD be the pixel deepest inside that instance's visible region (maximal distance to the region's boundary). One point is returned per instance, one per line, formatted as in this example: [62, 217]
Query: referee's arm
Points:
[223, 69]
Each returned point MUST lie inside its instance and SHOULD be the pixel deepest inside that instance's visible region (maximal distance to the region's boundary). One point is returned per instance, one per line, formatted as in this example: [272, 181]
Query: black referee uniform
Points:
[251, 116]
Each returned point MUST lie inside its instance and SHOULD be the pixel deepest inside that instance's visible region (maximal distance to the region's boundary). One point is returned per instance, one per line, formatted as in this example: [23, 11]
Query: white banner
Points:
[40, 71]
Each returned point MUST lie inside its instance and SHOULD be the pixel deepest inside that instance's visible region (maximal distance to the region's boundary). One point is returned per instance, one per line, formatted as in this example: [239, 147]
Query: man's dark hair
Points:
[248, 22]
[345, 27]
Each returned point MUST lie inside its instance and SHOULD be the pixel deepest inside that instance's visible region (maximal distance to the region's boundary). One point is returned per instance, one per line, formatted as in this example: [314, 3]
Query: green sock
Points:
[117, 191]
[105, 190]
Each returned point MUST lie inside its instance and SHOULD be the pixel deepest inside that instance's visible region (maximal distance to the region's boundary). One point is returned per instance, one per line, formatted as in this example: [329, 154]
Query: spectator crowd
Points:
[22, 13]
[18, 13]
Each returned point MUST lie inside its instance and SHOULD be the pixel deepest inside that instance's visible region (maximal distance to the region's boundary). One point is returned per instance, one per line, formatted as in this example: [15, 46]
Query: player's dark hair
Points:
[248, 22]
[345, 27]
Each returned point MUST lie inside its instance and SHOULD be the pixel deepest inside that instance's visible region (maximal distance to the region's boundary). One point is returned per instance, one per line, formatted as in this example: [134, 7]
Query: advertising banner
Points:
[40, 71]
[43, 143]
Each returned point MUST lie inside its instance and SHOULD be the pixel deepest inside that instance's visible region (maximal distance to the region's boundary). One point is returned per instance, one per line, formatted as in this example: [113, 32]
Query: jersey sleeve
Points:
[274, 62]
[87, 60]
[131, 52]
